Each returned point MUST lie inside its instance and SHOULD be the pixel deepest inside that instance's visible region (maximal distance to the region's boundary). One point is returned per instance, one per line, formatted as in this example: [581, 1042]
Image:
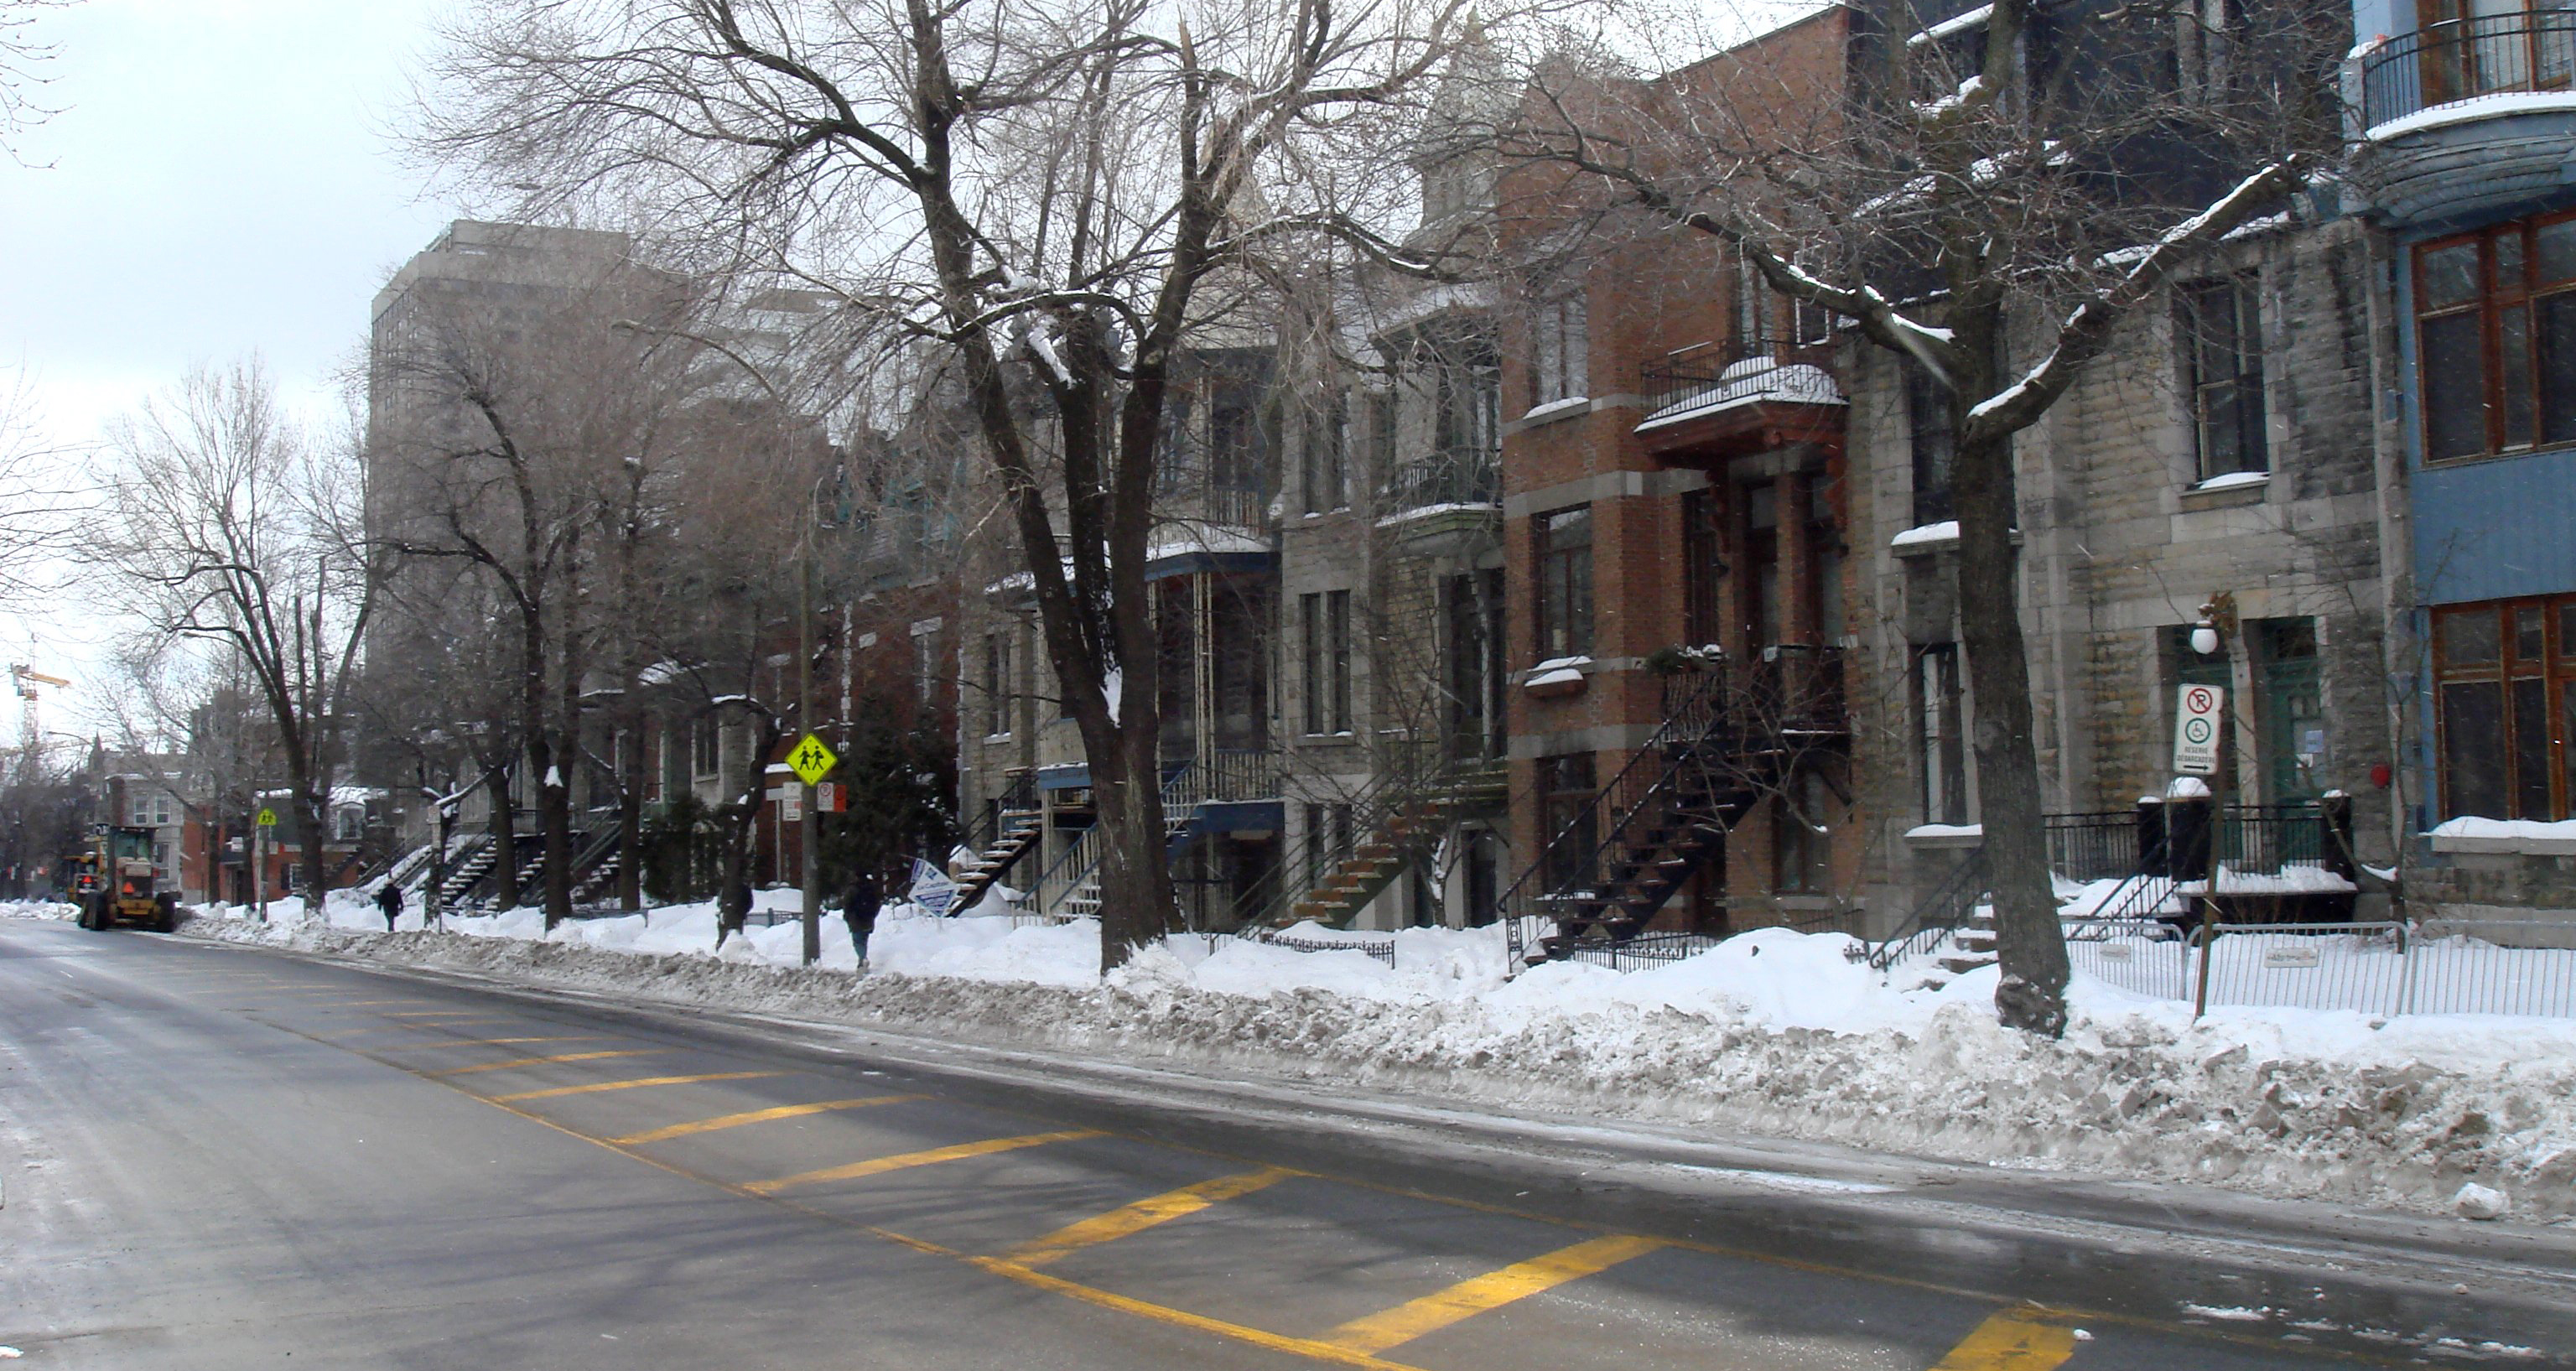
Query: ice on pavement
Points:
[1771, 1032]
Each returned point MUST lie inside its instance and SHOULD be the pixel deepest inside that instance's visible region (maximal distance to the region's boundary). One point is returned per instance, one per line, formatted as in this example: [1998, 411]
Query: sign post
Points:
[812, 760]
[267, 821]
[2197, 724]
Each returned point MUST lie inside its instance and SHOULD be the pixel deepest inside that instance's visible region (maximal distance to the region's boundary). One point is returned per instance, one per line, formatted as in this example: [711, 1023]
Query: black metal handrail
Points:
[1760, 369]
[1950, 905]
[1450, 476]
[1791, 691]
[2461, 59]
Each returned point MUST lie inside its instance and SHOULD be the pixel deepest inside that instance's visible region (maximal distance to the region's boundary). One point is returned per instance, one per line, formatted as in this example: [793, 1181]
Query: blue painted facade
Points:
[2483, 529]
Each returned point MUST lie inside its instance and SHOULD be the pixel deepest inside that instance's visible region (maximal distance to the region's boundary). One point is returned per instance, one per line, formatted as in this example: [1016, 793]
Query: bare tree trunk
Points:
[503, 825]
[1135, 864]
[630, 808]
[2029, 943]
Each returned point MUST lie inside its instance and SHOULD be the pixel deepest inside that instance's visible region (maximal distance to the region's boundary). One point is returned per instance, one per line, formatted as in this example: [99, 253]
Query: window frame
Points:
[1560, 349]
[1562, 607]
[2490, 305]
[2549, 672]
[2244, 383]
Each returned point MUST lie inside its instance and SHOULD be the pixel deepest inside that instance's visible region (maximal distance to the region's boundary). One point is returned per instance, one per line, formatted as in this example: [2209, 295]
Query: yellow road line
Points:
[495, 1042]
[634, 1084]
[1493, 1290]
[900, 1161]
[1160, 1313]
[539, 1061]
[784, 1111]
[1144, 1214]
[413, 1027]
[2014, 1340]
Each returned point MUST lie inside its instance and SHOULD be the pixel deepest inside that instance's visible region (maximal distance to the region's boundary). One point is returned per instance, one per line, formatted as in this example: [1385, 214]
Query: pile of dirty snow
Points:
[38, 909]
[1772, 1032]
[672, 930]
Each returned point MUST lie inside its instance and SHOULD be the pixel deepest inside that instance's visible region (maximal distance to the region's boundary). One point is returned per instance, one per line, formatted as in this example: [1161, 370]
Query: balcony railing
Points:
[2461, 59]
[1453, 476]
[1739, 373]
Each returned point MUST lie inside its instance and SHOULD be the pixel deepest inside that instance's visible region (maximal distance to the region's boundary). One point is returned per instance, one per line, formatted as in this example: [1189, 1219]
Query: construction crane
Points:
[31, 734]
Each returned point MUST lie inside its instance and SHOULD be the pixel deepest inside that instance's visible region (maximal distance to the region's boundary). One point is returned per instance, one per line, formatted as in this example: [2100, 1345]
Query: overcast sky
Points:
[221, 182]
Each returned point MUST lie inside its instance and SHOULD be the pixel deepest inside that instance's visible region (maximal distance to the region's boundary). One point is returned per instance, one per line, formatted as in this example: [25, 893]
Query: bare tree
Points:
[1038, 191]
[22, 61]
[223, 525]
[1996, 194]
[518, 443]
[35, 496]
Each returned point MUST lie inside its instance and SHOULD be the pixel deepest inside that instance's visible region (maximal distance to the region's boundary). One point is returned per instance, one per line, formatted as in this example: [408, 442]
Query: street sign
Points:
[812, 759]
[2197, 725]
[268, 818]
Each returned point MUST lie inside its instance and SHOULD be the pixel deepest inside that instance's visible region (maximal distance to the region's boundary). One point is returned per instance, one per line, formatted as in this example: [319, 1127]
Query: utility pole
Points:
[810, 834]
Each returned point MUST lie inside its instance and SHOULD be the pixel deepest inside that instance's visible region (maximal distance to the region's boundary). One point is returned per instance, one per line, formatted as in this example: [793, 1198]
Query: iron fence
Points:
[1736, 372]
[1639, 950]
[1454, 476]
[2095, 846]
[1381, 950]
[2461, 59]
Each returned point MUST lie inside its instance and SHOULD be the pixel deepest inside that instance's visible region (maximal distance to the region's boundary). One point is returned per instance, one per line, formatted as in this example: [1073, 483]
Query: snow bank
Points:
[673, 930]
[38, 909]
[1772, 1032]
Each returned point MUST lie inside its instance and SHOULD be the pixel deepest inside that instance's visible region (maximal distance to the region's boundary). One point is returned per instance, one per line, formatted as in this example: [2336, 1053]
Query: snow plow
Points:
[113, 881]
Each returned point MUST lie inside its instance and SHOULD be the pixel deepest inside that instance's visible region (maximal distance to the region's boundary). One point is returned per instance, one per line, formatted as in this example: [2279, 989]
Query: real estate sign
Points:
[2196, 728]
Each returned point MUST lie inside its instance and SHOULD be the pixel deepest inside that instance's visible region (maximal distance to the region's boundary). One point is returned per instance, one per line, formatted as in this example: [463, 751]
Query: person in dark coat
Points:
[859, 909]
[389, 899]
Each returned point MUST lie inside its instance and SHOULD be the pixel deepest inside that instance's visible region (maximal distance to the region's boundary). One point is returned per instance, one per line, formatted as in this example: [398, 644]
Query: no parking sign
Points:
[2196, 729]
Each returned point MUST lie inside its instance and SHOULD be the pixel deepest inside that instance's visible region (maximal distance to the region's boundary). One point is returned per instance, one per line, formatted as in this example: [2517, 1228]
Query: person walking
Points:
[389, 899]
[859, 909]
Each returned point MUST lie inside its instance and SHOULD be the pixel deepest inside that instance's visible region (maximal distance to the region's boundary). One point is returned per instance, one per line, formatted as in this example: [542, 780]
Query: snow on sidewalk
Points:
[1772, 1032]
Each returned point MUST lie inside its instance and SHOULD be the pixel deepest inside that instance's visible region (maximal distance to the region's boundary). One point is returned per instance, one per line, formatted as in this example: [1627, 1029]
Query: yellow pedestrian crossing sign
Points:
[812, 759]
[268, 818]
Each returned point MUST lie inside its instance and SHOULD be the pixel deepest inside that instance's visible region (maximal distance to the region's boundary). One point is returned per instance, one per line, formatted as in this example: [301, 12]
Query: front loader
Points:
[114, 882]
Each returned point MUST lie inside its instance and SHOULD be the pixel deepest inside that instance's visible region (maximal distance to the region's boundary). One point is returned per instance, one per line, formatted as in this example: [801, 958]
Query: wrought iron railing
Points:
[1452, 476]
[1739, 371]
[2461, 59]
[1789, 695]
[1409, 772]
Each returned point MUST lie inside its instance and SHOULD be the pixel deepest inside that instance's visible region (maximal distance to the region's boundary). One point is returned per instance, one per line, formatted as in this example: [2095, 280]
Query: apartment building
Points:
[2464, 129]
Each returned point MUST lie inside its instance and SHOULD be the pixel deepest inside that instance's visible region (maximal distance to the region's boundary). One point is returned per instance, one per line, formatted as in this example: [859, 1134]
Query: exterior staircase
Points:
[1019, 834]
[469, 873]
[1730, 737]
[1070, 889]
[1395, 822]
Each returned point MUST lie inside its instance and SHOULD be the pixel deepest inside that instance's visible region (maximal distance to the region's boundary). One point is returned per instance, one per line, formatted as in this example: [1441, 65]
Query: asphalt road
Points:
[214, 1158]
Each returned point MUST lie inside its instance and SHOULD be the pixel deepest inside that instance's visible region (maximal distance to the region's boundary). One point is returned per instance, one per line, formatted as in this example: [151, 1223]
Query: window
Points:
[1560, 351]
[1382, 417]
[1935, 444]
[1751, 294]
[1801, 849]
[1564, 567]
[998, 684]
[1704, 566]
[349, 823]
[2223, 361]
[2506, 702]
[1466, 404]
[2476, 47]
[1472, 606]
[925, 661]
[1940, 738]
[1328, 840]
[1567, 792]
[1327, 627]
[705, 738]
[1327, 483]
[2496, 339]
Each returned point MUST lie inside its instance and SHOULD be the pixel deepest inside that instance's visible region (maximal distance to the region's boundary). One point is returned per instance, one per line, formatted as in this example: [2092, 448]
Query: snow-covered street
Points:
[482, 1164]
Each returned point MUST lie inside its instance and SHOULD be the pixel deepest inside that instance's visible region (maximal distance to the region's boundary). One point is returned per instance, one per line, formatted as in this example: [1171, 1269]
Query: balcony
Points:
[1445, 501]
[2468, 116]
[1722, 402]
